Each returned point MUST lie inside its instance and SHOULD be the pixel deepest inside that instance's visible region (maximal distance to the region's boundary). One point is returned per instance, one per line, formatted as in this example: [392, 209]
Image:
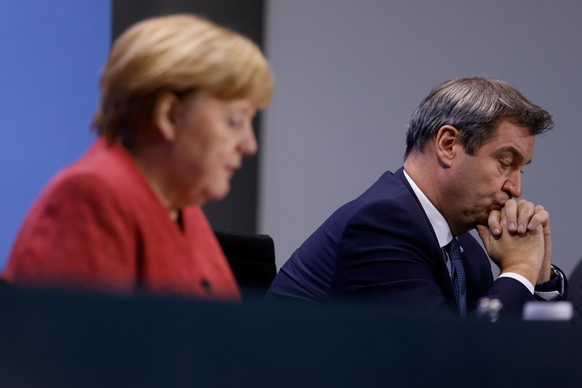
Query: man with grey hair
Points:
[406, 240]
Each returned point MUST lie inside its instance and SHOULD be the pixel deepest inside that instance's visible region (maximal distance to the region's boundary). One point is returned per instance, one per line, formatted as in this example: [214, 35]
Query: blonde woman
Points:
[178, 95]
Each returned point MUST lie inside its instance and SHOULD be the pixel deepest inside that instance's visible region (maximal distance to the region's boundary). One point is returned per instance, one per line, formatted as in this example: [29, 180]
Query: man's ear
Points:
[448, 141]
[166, 116]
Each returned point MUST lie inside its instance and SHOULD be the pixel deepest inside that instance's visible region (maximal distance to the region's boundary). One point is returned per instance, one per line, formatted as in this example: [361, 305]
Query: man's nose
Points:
[513, 184]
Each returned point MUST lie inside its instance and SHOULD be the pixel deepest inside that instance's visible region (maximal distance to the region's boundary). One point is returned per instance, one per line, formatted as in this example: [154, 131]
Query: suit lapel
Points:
[440, 270]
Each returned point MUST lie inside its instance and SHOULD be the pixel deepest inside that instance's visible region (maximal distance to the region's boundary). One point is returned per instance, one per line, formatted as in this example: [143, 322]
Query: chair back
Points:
[575, 290]
[252, 259]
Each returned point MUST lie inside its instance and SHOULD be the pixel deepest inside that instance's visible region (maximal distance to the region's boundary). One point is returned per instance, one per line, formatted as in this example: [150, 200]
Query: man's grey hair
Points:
[475, 106]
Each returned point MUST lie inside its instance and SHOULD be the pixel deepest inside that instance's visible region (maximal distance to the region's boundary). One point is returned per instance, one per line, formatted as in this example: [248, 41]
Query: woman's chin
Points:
[218, 195]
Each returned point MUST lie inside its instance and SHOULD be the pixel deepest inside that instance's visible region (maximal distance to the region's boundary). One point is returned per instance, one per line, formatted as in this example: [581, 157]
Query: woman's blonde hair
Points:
[177, 54]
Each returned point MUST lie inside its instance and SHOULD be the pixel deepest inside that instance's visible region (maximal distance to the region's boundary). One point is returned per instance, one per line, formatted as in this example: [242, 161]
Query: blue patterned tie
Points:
[458, 274]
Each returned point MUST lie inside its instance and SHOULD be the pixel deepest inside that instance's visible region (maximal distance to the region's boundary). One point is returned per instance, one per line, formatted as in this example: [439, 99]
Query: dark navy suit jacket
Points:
[381, 248]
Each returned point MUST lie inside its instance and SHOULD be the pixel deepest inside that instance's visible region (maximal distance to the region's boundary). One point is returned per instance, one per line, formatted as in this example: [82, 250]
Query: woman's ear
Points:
[166, 116]
[448, 141]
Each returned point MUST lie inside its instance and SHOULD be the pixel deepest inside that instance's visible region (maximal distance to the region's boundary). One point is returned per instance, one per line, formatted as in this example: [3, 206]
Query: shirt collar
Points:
[436, 219]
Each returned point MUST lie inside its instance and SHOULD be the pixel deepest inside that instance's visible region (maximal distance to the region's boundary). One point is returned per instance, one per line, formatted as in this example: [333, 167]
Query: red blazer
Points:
[99, 225]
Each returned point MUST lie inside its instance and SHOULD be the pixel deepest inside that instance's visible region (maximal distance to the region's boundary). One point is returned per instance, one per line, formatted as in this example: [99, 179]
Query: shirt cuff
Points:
[520, 279]
[548, 295]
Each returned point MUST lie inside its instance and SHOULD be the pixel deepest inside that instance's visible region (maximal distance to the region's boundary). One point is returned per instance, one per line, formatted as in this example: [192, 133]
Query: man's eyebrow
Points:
[515, 152]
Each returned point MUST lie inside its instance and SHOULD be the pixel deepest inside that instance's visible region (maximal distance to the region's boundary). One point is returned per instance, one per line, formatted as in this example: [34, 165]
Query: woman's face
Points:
[212, 138]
